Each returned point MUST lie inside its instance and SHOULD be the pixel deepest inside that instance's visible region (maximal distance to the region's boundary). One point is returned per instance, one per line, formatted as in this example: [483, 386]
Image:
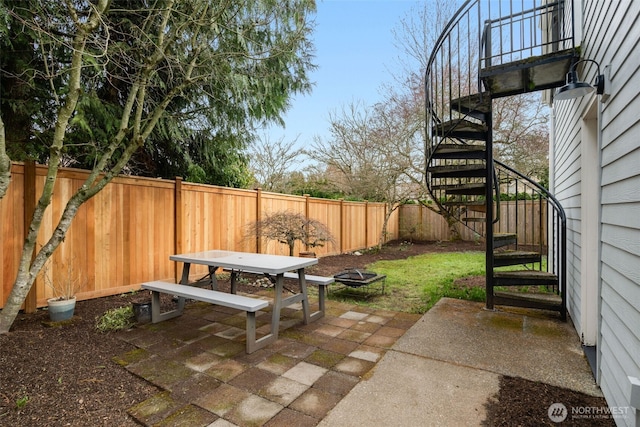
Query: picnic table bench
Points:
[239, 302]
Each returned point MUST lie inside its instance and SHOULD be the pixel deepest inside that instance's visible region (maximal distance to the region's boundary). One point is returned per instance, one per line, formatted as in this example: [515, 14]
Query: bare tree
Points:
[290, 227]
[369, 155]
[271, 163]
[245, 56]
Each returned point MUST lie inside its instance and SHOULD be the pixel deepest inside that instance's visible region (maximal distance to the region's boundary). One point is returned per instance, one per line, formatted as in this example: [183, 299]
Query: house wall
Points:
[610, 35]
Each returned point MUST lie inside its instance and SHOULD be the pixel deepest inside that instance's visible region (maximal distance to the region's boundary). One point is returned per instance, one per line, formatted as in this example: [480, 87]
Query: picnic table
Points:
[275, 266]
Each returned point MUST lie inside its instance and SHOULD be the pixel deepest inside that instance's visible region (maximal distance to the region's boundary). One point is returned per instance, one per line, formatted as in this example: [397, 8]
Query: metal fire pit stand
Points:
[354, 279]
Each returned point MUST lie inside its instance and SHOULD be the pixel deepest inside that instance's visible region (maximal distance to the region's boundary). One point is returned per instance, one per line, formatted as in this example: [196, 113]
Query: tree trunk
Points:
[385, 223]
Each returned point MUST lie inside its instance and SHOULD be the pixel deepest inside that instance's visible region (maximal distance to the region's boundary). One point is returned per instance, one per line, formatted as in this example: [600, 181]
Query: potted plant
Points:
[63, 303]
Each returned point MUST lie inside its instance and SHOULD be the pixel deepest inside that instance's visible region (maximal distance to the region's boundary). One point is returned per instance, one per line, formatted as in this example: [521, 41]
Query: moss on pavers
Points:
[325, 358]
[222, 400]
[155, 409]
[352, 335]
[228, 348]
[227, 370]
[189, 415]
[161, 372]
[131, 357]
[278, 363]
[189, 389]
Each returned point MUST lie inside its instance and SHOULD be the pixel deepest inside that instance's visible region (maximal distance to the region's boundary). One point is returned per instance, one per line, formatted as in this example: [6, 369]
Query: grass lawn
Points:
[415, 284]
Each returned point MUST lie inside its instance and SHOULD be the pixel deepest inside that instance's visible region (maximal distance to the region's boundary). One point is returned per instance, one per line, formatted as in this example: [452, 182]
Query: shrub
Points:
[116, 319]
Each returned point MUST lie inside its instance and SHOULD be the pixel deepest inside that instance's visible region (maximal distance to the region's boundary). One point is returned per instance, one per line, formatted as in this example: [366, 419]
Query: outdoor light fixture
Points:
[575, 88]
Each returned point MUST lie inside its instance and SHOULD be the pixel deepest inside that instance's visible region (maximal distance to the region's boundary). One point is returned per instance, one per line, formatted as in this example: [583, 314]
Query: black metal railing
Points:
[518, 32]
[536, 216]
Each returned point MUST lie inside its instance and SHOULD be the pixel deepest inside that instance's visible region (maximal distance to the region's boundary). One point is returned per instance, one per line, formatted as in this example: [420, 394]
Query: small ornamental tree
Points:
[288, 227]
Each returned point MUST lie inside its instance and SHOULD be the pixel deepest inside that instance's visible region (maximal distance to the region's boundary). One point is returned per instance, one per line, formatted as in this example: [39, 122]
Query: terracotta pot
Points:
[60, 310]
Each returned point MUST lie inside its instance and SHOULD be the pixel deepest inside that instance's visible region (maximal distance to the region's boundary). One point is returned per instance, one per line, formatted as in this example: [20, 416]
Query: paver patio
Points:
[199, 362]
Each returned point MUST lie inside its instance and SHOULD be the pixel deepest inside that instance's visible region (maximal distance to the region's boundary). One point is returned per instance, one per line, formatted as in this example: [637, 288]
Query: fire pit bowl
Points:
[356, 278]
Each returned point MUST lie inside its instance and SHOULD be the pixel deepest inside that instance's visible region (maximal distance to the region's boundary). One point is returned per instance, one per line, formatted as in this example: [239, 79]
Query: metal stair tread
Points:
[477, 105]
[461, 128]
[462, 189]
[515, 254]
[461, 171]
[540, 301]
[464, 202]
[459, 151]
[524, 278]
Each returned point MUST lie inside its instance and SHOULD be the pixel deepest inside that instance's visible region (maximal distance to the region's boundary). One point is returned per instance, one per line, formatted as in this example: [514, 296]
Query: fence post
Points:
[366, 224]
[342, 226]
[258, 219]
[31, 302]
[178, 232]
[306, 214]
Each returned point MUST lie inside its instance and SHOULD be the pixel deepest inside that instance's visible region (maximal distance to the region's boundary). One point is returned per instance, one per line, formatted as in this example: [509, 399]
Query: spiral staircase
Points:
[490, 50]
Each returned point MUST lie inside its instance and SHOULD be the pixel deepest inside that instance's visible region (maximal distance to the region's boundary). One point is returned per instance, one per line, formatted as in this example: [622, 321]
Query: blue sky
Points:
[354, 53]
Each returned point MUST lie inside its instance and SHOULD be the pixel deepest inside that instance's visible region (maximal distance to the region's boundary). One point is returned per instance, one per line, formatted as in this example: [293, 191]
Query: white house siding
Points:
[611, 35]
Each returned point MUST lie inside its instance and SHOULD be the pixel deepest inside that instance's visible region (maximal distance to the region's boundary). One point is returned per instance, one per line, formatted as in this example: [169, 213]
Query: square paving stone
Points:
[297, 350]
[377, 340]
[253, 411]
[202, 361]
[290, 418]
[389, 331]
[278, 363]
[355, 367]
[351, 335]
[336, 383]
[365, 327]
[229, 348]
[130, 357]
[154, 409]
[340, 346]
[222, 400]
[283, 390]
[341, 322]
[253, 379]
[160, 371]
[365, 352]
[354, 315]
[230, 333]
[188, 416]
[325, 358]
[315, 403]
[226, 370]
[193, 387]
[305, 373]
[330, 330]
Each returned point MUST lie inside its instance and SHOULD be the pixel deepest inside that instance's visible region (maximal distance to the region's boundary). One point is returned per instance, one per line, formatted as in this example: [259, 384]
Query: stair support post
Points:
[489, 244]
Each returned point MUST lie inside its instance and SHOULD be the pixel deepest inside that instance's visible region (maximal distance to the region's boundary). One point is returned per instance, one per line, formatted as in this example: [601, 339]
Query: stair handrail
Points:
[561, 249]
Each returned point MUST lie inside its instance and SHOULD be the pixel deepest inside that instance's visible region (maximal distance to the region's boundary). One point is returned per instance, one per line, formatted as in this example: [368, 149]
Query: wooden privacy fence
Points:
[124, 235]
[417, 222]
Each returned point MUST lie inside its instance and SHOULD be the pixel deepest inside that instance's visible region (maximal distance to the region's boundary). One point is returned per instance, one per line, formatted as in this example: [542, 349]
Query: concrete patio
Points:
[356, 366]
